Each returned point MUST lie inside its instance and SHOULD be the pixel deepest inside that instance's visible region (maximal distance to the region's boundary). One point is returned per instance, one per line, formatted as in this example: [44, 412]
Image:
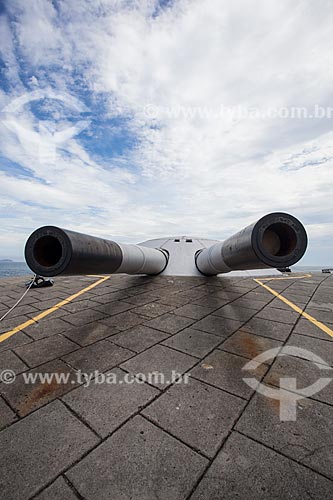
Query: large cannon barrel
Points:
[52, 251]
[276, 240]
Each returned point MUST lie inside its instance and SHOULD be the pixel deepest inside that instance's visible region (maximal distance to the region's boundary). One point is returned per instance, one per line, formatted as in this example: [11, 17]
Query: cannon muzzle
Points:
[276, 240]
[52, 251]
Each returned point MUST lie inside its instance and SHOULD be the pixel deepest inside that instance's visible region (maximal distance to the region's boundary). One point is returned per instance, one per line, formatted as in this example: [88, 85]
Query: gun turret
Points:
[277, 240]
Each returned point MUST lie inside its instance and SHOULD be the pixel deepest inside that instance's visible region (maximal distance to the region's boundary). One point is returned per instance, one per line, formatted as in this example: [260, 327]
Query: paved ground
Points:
[211, 438]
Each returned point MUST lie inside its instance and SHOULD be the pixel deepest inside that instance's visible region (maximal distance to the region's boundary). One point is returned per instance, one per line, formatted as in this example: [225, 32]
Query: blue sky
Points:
[131, 119]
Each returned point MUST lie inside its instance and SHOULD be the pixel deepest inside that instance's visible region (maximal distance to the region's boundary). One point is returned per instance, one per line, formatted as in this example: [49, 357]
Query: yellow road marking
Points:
[45, 313]
[313, 320]
[96, 276]
[286, 278]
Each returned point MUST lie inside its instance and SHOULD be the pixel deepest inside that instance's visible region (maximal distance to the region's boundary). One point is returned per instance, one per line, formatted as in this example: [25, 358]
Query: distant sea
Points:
[8, 269]
[308, 269]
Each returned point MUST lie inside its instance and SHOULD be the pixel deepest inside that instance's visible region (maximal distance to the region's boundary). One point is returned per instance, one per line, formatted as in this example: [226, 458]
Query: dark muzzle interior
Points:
[279, 239]
[47, 251]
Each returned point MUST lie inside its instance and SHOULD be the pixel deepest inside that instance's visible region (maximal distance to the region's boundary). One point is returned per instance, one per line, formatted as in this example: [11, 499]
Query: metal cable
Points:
[20, 299]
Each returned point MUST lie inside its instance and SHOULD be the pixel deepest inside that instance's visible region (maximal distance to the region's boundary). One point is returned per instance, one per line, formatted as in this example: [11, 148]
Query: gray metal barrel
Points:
[276, 240]
[52, 251]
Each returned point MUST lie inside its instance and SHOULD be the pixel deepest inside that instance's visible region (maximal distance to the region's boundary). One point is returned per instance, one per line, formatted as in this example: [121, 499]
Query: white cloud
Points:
[207, 174]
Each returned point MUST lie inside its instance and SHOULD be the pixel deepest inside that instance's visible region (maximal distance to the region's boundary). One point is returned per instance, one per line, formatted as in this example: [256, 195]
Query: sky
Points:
[134, 120]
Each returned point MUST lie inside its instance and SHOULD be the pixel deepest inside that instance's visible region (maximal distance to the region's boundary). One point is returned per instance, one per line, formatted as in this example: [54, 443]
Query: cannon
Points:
[51, 251]
[277, 240]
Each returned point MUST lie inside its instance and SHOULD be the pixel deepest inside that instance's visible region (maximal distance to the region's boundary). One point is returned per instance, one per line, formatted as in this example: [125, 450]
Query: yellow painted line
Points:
[313, 320]
[45, 313]
[96, 276]
[286, 278]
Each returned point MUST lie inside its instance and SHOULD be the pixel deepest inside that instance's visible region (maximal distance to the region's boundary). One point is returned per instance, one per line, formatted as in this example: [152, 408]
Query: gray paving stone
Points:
[9, 361]
[169, 323]
[123, 321]
[323, 316]
[46, 327]
[174, 300]
[193, 311]
[233, 312]
[159, 360]
[105, 406]
[300, 288]
[245, 284]
[40, 447]
[224, 370]
[249, 345]
[210, 412]
[113, 308]
[303, 287]
[5, 301]
[7, 416]
[299, 300]
[250, 303]
[259, 295]
[266, 328]
[59, 490]
[228, 295]
[321, 304]
[26, 301]
[56, 295]
[80, 305]
[23, 310]
[26, 397]
[101, 356]
[278, 304]
[323, 348]
[110, 297]
[139, 461]
[306, 374]
[9, 323]
[193, 342]
[290, 317]
[3, 309]
[90, 333]
[60, 313]
[139, 338]
[305, 327]
[210, 301]
[141, 299]
[83, 317]
[151, 291]
[134, 289]
[43, 305]
[41, 351]
[207, 288]
[247, 470]
[153, 310]
[223, 327]
[15, 340]
[308, 440]
[326, 283]
[321, 297]
[196, 294]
